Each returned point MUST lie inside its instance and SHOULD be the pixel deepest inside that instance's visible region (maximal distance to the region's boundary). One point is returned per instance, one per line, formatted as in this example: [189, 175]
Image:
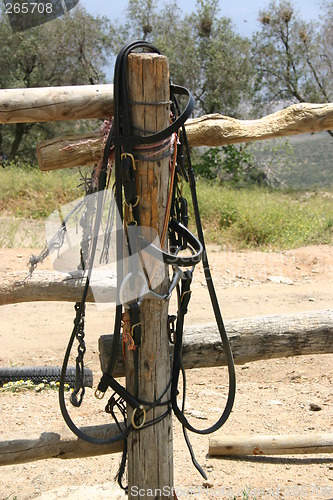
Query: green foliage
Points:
[71, 50]
[232, 164]
[236, 161]
[205, 54]
[262, 218]
[209, 164]
[249, 217]
[282, 222]
[223, 164]
[28, 192]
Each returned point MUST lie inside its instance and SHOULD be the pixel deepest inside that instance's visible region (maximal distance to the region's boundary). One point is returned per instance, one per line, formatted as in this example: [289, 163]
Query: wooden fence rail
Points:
[96, 101]
[49, 104]
[251, 339]
[209, 130]
[289, 444]
[18, 286]
[66, 445]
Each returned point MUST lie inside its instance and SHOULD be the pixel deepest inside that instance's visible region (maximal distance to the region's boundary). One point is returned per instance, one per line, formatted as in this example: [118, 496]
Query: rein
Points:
[125, 146]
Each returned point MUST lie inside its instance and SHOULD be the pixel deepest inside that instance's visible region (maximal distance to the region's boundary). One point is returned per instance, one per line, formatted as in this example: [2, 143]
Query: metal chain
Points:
[86, 222]
[79, 390]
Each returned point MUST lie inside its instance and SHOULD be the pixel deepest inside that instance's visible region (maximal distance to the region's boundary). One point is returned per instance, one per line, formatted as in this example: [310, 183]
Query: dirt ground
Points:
[273, 397]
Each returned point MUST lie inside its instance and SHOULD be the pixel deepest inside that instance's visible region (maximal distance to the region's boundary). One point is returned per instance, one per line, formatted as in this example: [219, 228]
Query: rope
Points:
[168, 207]
[127, 337]
[154, 152]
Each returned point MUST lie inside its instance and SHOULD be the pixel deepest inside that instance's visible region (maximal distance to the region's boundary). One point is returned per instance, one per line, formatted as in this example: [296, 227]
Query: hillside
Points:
[311, 165]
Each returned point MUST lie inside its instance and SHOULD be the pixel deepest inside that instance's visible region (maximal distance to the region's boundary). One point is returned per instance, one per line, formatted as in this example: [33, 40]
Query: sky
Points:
[243, 13]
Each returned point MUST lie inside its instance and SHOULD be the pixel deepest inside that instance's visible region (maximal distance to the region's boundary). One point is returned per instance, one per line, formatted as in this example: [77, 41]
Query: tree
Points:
[292, 58]
[71, 50]
[204, 52]
[325, 55]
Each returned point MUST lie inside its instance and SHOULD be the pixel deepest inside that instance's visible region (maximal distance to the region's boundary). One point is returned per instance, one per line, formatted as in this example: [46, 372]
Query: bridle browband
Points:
[123, 141]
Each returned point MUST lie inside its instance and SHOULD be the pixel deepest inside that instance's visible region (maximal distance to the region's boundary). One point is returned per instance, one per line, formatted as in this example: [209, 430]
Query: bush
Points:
[230, 164]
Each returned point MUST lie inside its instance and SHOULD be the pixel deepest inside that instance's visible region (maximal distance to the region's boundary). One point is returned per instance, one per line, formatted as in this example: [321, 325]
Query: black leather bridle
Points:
[122, 139]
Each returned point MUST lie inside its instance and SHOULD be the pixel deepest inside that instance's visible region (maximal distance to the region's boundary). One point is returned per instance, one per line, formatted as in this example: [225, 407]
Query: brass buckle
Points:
[130, 206]
[125, 155]
[99, 394]
[134, 326]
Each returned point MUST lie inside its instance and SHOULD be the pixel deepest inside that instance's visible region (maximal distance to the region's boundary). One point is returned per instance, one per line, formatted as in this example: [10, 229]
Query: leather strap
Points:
[123, 139]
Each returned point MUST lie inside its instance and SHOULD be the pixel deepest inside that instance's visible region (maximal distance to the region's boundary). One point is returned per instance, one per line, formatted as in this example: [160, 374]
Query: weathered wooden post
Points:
[150, 450]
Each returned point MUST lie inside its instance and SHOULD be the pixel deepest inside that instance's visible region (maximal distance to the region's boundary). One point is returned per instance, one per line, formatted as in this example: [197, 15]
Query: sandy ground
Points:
[273, 397]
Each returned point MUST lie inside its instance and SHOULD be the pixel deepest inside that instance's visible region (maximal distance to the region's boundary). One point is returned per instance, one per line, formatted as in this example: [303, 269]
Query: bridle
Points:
[126, 145]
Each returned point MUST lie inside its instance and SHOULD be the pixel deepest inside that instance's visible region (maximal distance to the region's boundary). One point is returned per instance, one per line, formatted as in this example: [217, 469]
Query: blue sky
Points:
[243, 13]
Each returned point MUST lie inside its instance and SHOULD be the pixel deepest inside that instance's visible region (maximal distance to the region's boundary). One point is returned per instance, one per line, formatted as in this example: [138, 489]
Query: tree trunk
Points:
[20, 130]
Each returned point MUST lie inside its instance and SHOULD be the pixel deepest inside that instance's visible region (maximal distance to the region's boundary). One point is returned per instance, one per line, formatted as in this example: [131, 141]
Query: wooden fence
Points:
[306, 333]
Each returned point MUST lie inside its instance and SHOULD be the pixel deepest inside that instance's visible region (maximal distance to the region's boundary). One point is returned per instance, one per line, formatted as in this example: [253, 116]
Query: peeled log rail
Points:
[218, 130]
[18, 287]
[53, 445]
[48, 104]
[251, 339]
[209, 130]
[70, 151]
[270, 445]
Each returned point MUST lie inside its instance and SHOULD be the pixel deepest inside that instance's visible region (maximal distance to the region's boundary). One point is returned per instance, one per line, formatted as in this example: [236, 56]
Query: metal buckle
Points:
[172, 328]
[134, 326]
[125, 155]
[130, 206]
[99, 394]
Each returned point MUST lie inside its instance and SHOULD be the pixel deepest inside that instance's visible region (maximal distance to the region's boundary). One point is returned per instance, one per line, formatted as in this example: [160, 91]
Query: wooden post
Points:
[150, 450]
